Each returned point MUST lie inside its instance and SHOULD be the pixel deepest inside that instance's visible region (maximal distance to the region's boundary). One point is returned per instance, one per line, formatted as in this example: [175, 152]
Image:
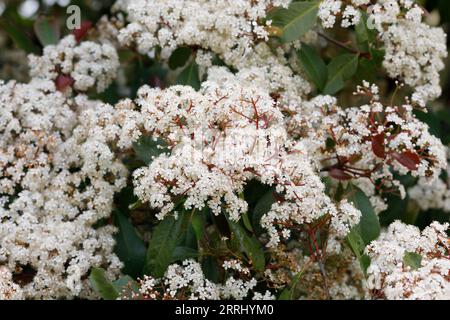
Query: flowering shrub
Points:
[225, 149]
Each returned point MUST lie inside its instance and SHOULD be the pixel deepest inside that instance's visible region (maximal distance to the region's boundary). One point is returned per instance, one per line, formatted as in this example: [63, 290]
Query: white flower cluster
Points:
[414, 51]
[8, 289]
[236, 266]
[366, 142]
[221, 137]
[329, 10]
[435, 195]
[229, 28]
[57, 181]
[414, 54]
[187, 282]
[87, 63]
[392, 276]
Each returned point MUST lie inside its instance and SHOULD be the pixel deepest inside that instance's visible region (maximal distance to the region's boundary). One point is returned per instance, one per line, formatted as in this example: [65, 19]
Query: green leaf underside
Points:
[296, 20]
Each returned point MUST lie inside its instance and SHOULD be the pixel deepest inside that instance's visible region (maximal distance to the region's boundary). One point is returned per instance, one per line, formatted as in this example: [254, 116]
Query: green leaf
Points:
[296, 20]
[340, 69]
[357, 245]
[369, 225]
[364, 262]
[288, 293]
[247, 222]
[369, 69]
[183, 253]
[47, 30]
[163, 243]
[179, 57]
[124, 283]
[413, 260]
[249, 245]
[313, 65]
[102, 285]
[18, 35]
[198, 225]
[211, 268]
[148, 148]
[364, 35]
[356, 242]
[262, 207]
[189, 76]
[130, 248]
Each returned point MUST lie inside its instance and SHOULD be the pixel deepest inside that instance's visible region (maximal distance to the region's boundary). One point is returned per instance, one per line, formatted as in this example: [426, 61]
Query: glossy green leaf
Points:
[296, 20]
[313, 65]
[163, 242]
[47, 30]
[179, 57]
[102, 285]
[249, 245]
[369, 225]
[189, 76]
[262, 207]
[130, 248]
[340, 69]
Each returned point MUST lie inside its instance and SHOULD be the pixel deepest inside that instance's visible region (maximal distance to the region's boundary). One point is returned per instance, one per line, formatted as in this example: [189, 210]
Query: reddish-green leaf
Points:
[82, 30]
[63, 82]
[339, 174]
[378, 145]
[408, 159]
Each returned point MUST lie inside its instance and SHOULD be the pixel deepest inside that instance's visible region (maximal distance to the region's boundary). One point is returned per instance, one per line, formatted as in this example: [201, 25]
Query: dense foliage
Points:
[225, 149]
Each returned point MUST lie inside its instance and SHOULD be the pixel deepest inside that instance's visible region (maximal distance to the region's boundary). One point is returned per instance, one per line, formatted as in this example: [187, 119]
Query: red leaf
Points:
[63, 82]
[409, 159]
[82, 31]
[339, 174]
[378, 145]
